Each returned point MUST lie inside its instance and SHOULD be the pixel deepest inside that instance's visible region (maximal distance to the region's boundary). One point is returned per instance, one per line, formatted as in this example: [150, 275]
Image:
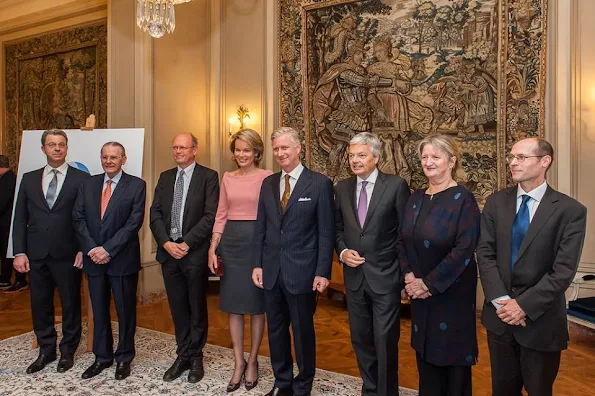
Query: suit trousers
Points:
[7, 262]
[44, 277]
[443, 380]
[375, 332]
[124, 289]
[284, 309]
[186, 284]
[515, 366]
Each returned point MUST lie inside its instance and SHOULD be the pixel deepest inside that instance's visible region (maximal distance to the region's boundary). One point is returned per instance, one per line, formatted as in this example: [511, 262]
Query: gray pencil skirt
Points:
[238, 295]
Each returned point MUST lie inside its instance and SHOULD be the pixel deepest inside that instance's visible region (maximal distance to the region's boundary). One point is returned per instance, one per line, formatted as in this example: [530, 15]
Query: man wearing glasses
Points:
[45, 245]
[528, 252]
[182, 217]
[109, 239]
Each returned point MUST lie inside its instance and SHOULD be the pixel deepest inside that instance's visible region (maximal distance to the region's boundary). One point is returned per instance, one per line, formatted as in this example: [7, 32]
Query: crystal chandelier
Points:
[157, 17]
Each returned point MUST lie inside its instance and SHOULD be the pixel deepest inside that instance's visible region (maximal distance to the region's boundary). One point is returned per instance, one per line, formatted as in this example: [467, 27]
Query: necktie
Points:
[176, 208]
[362, 204]
[286, 194]
[50, 196]
[519, 229]
[105, 197]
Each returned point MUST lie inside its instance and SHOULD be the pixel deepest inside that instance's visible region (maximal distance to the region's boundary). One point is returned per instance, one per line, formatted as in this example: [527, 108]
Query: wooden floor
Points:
[334, 351]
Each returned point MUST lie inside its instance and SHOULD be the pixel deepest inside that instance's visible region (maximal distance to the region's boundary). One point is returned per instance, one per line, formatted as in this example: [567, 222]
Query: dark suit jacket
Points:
[39, 231]
[199, 212]
[376, 241]
[297, 245]
[118, 231]
[8, 183]
[547, 261]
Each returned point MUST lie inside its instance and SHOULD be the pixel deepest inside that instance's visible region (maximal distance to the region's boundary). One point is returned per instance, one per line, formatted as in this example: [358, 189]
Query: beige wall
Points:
[181, 83]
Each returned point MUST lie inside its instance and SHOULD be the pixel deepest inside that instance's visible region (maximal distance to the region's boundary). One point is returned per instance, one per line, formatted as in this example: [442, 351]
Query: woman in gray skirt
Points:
[232, 241]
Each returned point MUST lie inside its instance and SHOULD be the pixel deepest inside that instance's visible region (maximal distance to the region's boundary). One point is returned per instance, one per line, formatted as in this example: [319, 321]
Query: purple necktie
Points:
[362, 205]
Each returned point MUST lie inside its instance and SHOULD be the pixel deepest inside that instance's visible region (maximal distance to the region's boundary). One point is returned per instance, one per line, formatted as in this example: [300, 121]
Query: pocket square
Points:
[305, 199]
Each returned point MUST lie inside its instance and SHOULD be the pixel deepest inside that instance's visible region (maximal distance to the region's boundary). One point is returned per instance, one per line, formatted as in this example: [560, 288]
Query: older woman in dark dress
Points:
[436, 251]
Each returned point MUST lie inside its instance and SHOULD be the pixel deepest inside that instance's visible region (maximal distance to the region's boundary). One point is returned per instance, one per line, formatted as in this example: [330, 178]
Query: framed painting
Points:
[403, 69]
[55, 81]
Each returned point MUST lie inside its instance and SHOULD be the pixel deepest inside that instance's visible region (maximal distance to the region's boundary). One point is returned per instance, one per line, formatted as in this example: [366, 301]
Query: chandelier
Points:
[157, 17]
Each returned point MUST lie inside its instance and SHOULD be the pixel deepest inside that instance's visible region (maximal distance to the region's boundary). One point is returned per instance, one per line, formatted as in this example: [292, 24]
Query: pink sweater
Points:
[238, 199]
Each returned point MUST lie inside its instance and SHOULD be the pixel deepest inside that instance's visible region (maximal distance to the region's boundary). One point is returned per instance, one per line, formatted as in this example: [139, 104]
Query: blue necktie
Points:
[519, 229]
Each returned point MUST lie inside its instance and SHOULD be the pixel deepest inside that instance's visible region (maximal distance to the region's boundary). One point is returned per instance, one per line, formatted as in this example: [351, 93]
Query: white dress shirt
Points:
[115, 180]
[536, 196]
[187, 174]
[294, 175]
[369, 190]
[48, 175]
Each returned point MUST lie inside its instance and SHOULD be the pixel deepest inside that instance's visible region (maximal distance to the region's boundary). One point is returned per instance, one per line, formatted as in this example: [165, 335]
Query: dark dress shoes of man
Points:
[65, 363]
[41, 361]
[197, 371]
[95, 369]
[280, 392]
[122, 370]
[176, 369]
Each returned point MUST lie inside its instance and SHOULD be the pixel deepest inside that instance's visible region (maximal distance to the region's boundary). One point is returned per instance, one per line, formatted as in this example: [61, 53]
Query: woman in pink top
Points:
[232, 241]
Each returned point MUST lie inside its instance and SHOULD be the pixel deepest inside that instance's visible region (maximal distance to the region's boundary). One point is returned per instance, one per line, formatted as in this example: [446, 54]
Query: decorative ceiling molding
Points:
[41, 15]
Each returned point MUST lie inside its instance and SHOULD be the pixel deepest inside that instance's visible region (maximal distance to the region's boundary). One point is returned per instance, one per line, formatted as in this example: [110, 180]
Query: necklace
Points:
[451, 183]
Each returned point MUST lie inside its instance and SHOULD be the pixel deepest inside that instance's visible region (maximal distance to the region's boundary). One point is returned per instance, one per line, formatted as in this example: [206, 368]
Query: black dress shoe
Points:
[65, 363]
[41, 361]
[122, 370]
[197, 371]
[95, 368]
[176, 369]
[280, 392]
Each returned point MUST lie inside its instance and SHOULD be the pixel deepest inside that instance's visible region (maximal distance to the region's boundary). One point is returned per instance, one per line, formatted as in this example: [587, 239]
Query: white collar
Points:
[371, 179]
[295, 173]
[536, 194]
[115, 179]
[61, 169]
[187, 170]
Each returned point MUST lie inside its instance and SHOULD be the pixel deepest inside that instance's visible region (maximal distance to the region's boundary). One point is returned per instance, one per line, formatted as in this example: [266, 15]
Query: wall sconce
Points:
[242, 114]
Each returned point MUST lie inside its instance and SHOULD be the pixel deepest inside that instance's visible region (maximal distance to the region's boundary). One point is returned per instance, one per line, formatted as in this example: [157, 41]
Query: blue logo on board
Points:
[79, 166]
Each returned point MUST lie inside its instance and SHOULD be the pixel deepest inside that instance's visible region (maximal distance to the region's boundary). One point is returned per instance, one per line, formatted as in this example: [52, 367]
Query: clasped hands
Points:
[511, 313]
[320, 283]
[99, 256]
[176, 250]
[415, 287]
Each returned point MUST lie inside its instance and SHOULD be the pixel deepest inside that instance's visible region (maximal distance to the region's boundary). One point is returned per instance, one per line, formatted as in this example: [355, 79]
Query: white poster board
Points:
[84, 152]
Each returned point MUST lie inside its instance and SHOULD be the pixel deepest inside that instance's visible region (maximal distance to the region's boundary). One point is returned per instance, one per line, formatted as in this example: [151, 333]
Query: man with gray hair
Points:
[369, 209]
[293, 252]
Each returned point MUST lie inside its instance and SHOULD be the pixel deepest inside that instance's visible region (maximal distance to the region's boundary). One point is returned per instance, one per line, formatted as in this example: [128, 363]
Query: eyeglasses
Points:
[110, 157]
[520, 157]
[180, 148]
[54, 145]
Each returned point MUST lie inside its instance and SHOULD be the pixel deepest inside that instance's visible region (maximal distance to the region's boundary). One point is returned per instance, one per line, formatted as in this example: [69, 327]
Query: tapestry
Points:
[55, 81]
[404, 69]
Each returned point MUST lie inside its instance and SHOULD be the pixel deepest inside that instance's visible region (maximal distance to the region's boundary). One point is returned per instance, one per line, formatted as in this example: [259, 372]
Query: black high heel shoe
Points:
[251, 384]
[231, 387]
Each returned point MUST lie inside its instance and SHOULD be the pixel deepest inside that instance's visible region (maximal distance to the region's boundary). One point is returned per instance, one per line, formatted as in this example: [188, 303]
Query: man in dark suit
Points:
[45, 245]
[182, 217]
[293, 242]
[528, 253]
[369, 209]
[8, 182]
[108, 214]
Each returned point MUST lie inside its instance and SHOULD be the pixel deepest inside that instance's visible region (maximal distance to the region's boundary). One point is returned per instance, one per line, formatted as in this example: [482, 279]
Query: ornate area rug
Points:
[155, 352]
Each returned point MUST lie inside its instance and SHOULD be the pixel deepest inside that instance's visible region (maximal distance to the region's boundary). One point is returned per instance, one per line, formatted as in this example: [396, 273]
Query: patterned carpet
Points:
[155, 352]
